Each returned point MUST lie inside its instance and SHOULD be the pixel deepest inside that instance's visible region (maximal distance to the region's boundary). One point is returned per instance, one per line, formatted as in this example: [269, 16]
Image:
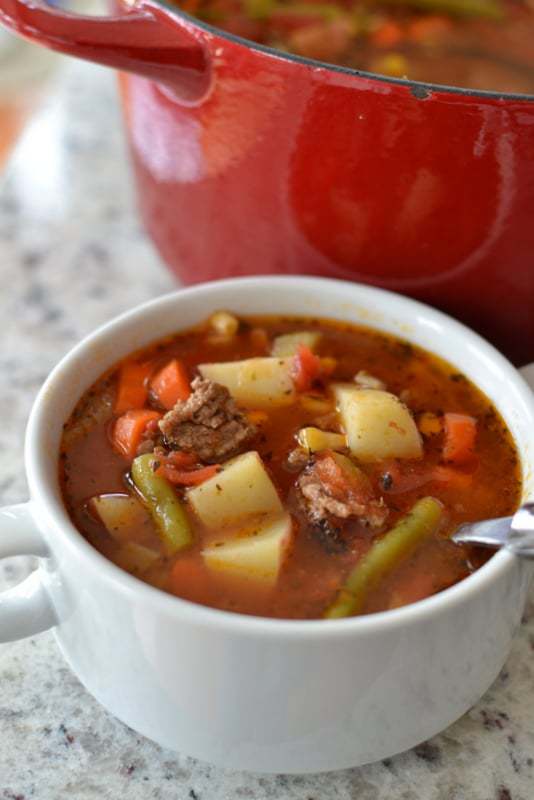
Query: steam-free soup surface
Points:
[479, 44]
[322, 479]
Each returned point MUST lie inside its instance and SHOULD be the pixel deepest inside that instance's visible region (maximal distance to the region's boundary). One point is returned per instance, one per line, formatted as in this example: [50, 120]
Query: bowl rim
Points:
[54, 517]
[419, 89]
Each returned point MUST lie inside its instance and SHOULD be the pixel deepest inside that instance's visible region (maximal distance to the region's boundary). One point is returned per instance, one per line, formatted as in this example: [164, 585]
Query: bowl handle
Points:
[26, 609]
[146, 40]
[528, 374]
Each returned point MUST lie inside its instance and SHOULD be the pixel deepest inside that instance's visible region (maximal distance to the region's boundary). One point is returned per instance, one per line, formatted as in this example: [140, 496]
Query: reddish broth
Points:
[311, 574]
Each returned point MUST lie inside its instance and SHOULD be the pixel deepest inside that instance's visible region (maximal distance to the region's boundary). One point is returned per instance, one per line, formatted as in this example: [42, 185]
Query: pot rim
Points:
[418, 89]
[52, 513]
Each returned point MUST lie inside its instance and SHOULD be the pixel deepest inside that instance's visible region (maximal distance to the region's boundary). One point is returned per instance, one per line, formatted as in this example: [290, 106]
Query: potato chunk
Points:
[287, 344]
[255, 382]
[377, 424]
[243, 489]
[122, 515]
[136, 558]
[257, 556]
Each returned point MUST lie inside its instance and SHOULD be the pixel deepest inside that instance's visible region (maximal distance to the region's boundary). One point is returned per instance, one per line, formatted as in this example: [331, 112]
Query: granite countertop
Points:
[72, 255]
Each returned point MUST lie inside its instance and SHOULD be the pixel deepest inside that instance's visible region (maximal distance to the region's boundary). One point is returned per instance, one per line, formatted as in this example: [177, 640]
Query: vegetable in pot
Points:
[385, 554]
[129, 429]
[162, 503]
[132, 388]
[314, 440]
[121, 514]
[171, 384]
[257, 556]
[242, 489]
[255, 382]
[377, 424]
[288, 343]
[136, 558]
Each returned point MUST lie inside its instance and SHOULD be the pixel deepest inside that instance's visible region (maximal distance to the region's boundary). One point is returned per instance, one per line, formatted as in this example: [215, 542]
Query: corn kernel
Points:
[224, 324]
[429, 424]
[313, 440]
[315, 405]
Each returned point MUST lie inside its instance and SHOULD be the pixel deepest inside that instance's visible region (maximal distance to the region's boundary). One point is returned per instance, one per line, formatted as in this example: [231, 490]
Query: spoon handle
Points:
[516, 533]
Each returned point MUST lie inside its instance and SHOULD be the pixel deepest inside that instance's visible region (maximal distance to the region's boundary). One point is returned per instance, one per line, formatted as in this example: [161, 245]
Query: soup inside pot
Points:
[287, 467]
[478, 44]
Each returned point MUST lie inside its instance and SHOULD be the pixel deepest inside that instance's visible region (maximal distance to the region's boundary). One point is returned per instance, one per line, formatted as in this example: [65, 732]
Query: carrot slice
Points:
[129, 428]
[388, 34]
[132, 390]
[460, 434]
[171, 384]
[305, 368]
[187, 478]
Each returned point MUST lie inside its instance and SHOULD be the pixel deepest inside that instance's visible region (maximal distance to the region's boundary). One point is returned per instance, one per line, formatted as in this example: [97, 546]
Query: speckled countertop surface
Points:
[72, 255]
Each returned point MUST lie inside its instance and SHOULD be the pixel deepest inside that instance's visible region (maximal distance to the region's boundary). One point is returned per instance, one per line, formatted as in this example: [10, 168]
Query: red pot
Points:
[252, 161]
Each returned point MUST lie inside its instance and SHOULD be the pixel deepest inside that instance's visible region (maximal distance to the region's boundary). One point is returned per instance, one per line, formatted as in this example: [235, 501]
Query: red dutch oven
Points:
[251, 161]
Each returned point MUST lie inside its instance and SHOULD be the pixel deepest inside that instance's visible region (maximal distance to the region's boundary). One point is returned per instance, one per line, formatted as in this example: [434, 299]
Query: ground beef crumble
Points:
[208, 423]
[328, 506]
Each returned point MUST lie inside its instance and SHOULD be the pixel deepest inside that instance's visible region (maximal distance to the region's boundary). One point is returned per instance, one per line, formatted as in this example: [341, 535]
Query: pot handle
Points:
[146, 40]
[26, 609]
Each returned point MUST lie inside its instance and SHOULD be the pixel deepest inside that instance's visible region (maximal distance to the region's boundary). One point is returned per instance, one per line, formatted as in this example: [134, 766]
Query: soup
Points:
[479, 44]
[287, 467]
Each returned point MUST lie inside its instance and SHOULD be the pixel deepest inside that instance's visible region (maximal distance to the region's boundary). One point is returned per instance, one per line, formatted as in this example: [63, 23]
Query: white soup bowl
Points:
[246, 692]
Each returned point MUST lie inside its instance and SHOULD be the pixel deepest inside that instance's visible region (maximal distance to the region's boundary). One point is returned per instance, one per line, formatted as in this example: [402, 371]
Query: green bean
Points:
[263, 9]
[162, 503]
[385, 555]
[491, 9]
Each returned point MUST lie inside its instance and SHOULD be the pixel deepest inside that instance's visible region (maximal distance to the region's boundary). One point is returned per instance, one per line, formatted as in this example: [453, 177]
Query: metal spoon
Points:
[515, 533]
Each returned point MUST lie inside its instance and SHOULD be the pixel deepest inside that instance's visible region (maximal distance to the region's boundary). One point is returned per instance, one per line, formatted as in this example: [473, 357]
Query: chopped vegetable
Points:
[121, 514]
[316, 404]
[192, 477]
[129, 429]
[162, 503]
[224, 324]
[387, 35]
[305, 368]
[171, 384]
[288, 343]
[377, 424]
[242, 489]
[255, 382]
[258, 555]
[385, 555]
[460, 435]
[313, 440]
[136, 558]
[429, 424]
[132, 389]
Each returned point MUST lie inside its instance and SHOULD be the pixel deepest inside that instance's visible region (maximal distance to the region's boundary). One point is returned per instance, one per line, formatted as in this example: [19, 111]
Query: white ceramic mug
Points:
[245, 692]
